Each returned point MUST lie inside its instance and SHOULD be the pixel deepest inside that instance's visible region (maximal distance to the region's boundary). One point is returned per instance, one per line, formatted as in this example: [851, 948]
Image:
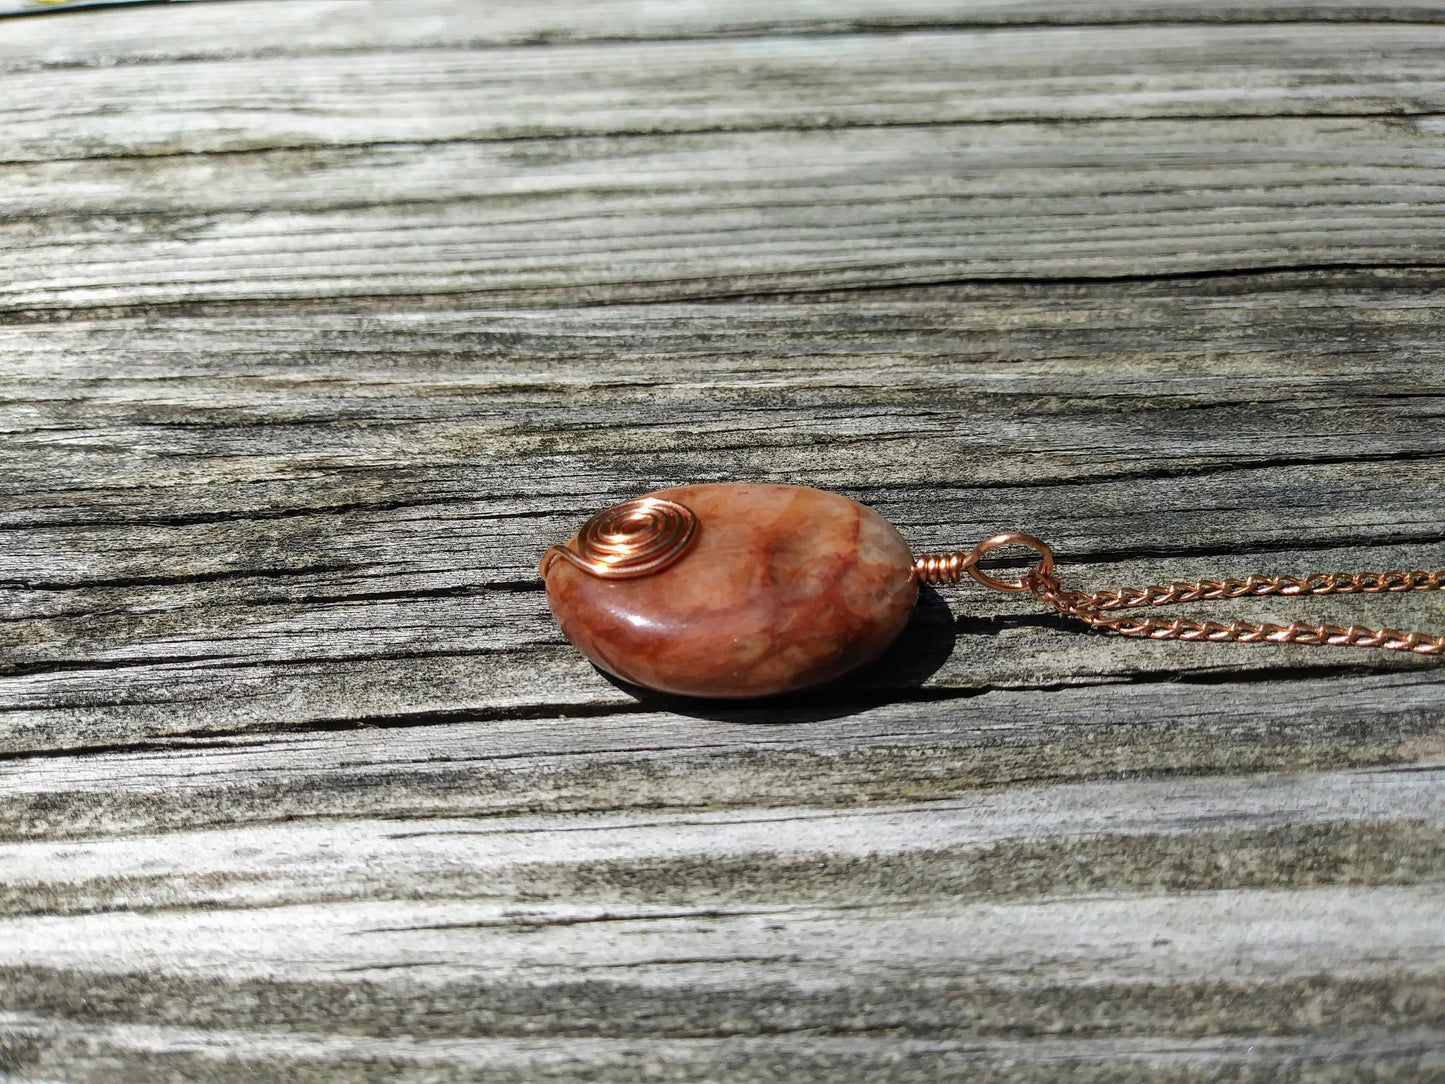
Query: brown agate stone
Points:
[775, 588]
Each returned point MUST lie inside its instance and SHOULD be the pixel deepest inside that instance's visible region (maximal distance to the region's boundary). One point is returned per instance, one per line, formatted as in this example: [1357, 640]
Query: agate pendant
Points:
[741, 590]
[732, 590]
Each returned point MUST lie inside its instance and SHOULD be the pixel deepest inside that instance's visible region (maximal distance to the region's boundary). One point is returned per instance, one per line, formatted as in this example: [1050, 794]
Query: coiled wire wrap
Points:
[634, 538]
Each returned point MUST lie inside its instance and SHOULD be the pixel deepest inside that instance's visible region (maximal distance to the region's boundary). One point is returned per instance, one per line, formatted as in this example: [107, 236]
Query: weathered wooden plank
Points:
[134, 1050]
[687, 86]
[193, 1052]
[1350, 933]
[1102, 967]
[278, 26]
[828, 751]
[284, 558]
[475, 923]
[1081, 376]
[1014, 844]
[660, 217]
[225, 661]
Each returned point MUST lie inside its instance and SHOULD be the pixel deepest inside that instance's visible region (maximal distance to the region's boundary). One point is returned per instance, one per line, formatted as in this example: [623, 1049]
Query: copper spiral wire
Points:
[1098, 608]
[634, 538]
[940, 568]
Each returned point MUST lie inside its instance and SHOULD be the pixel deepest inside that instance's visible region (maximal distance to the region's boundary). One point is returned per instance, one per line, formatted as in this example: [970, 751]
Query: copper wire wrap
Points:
[634, 538]
[940, 568]
[1098, 608]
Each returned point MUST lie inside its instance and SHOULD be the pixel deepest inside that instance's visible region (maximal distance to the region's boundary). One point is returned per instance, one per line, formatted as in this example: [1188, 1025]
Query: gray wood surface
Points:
[320, 319]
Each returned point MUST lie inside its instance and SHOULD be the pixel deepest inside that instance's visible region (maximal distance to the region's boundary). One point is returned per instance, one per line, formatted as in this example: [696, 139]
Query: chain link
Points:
[1100, 608]
[1097, 609]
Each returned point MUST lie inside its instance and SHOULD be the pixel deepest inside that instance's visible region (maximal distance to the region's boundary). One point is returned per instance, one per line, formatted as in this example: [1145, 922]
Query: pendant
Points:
[738, 590]
[732, 590]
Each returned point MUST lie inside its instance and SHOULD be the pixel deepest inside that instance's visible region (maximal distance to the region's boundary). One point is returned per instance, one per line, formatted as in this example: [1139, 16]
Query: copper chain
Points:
[1098, 608]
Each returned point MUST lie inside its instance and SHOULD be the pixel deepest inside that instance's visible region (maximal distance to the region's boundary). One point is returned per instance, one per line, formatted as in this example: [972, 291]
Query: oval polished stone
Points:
[780, 588]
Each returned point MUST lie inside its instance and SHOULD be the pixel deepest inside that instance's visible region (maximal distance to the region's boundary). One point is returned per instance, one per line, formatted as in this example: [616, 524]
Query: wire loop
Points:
[940, 568]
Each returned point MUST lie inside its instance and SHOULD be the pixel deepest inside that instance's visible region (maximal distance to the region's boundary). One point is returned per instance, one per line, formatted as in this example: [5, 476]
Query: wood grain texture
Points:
[660, 218]
[319, 321]
[328, 25]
